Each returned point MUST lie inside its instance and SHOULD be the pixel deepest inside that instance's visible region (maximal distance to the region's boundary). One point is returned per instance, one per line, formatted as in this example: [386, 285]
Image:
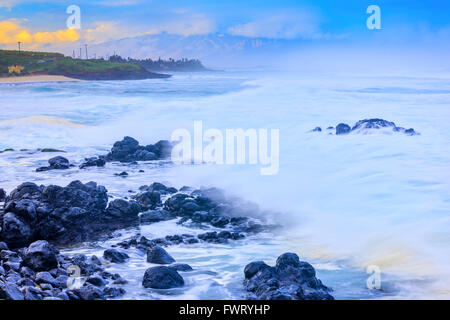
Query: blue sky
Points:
[317, 20]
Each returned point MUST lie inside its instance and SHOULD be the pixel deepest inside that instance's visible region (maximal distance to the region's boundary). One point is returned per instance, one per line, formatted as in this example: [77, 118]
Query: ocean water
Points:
[345, 202]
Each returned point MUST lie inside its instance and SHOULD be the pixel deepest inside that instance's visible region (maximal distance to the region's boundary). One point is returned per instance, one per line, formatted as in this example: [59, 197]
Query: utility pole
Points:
[19, 44]
[87, 57]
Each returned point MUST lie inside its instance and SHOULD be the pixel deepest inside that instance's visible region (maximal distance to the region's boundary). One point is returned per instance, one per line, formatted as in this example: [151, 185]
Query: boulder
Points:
[342, 128]
[158, 255]
[115, 256]
[290, 279]
[162, 277]
[41, 256]
[93, 162]
[56, 163]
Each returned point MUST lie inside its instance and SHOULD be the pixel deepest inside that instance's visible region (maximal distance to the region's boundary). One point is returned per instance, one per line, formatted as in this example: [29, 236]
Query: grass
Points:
[37, 63]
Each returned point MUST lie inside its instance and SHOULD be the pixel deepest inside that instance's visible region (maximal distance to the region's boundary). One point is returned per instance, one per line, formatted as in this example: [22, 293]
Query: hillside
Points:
[15, 63]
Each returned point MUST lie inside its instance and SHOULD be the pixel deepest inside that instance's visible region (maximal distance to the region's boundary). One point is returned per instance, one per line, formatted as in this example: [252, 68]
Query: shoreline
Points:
[36, 79]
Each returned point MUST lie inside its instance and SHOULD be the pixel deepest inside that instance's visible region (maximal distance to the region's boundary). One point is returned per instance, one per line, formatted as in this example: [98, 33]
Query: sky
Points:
[318, 22]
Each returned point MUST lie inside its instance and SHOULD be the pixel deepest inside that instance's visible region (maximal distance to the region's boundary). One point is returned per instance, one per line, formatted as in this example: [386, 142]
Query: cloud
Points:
[12, 32]
[281, 25]
[185, 23]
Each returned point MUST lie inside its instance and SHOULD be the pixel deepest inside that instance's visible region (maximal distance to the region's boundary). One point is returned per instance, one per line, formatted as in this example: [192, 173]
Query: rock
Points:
[158, 255]
[342, 128]
[3, 246]
[45, 277]
[317, 129]
[93, 162]
[122, 174]
[162, 277]
[2, 195]
[56, 163]
[41, 256]
[183, 267]
[96, 281]
[149, 199]
[15, 232]
[10, 291]
[90, 292]
[115, 256]
[112, 292]
[125, 211]
[290, 279]
[151, 216]
[32, 293]
[128, 150]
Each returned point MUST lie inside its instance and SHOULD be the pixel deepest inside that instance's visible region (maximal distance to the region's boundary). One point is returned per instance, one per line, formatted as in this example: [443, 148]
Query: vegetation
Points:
[163, 65]
[13, 63]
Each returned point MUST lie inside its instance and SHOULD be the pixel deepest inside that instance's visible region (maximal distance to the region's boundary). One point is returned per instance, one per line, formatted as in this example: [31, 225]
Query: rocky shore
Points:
[35, 220]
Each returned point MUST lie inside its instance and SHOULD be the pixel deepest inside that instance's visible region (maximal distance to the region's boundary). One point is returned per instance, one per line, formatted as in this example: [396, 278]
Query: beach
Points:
[39, 78]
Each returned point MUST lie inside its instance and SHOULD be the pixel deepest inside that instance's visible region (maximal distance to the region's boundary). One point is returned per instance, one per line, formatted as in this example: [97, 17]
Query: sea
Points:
[348, 204]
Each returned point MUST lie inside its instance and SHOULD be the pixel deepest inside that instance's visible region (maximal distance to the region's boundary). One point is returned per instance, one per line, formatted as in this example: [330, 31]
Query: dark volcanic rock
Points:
[162, 277]
[93, 162]
[151, 216]
[56, 163]
[115, 256]
[317, 129]
[129, 150]
[158, 255]
[290, 279]
[10, 291]
[62, 215]
[41, 256]
[2, 195]
[183, 267]
[342, 128]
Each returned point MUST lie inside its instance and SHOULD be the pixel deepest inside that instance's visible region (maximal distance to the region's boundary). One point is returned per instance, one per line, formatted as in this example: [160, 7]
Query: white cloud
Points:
[281, 25]
[186, 24]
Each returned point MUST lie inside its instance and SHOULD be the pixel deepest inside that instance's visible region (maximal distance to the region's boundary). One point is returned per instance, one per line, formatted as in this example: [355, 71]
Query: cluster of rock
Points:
[40, 272]
[363, 126]
[129, 150]
[81, 212]
[289, 279]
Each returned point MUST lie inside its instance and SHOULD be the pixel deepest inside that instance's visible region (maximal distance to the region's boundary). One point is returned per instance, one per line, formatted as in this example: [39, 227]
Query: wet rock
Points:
[112, 292]
[317, 129]
[93, 162]
[2, 195]
[125, 211]
[32, 293]
[41, 256]
[96, 281]
[183, 267]
[290, 279]
[45, 277]
[151, 216]
[342, 128]
[90, 292]
[115, 256]
[128, 150]
[10, 291]
[15, 231]
[122, 174]
[162, 277]
[149, 199]
[158, 255]
[56, 163]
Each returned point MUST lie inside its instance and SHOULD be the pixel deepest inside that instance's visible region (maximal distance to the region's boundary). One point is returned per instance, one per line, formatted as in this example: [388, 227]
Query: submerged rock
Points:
[290, 279]
[366, 125]
[162, 277]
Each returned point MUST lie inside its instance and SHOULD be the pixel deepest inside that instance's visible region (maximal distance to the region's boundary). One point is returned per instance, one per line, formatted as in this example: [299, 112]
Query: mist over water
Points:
[345, 202]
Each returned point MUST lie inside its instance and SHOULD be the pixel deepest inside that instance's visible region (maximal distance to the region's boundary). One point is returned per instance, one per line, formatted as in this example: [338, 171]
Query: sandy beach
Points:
[39, 78]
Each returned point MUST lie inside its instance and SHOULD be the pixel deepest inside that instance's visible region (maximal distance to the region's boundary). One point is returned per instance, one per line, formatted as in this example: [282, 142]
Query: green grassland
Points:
[40, 63]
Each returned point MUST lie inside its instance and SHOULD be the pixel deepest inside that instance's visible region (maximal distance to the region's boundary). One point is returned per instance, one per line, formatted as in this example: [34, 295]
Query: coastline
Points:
[36, 78]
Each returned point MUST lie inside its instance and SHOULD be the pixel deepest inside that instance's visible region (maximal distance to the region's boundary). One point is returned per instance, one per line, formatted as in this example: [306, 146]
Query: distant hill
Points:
[15, 63]
[211, 49]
